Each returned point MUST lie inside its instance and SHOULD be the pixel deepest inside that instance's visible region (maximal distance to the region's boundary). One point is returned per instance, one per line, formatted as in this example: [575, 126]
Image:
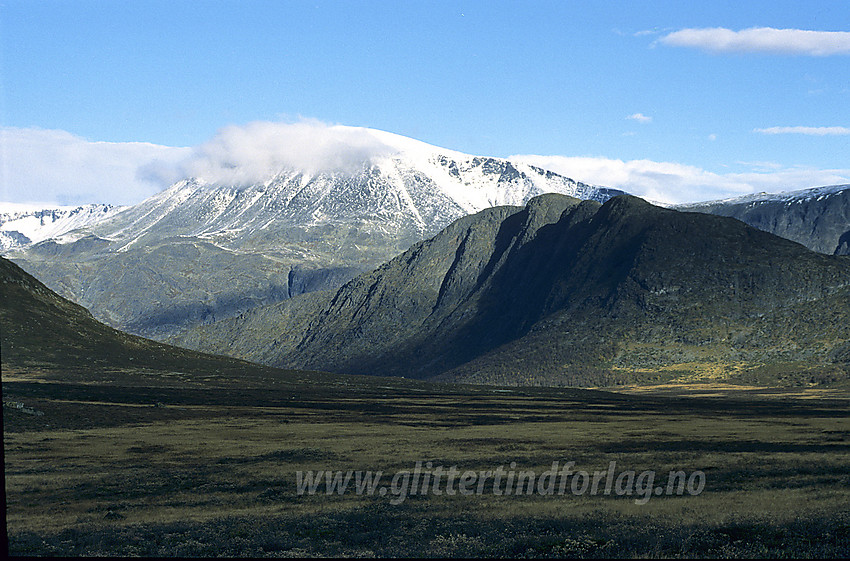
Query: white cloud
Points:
[640, 118]
[814, 131]
[762, 166]
[762, 40]
[241, 155]
[673, 183]
[55, 166]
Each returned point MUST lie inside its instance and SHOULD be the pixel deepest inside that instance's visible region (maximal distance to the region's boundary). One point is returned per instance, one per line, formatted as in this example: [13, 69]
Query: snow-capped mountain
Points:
[209, 247]
[22, 225]
[402, 195]
[818, 218]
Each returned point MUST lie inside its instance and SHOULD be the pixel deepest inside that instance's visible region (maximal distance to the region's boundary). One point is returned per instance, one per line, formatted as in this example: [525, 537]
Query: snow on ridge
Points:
[763, 197]
[25, 224]
[415, 150]
[405, 185]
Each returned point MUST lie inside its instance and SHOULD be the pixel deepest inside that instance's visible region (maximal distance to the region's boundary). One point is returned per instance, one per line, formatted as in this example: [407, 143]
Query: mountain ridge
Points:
[23, 225]
[818, 218]
[590, 283]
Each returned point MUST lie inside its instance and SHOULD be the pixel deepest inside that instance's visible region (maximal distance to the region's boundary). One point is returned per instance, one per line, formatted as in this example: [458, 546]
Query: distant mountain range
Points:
[23, 225]
[569, 292]
[201, 251]
[817, 218]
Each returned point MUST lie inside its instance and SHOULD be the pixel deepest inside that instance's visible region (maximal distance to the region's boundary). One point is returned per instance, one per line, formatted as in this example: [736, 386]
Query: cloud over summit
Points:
[240, 155]
[57, 167]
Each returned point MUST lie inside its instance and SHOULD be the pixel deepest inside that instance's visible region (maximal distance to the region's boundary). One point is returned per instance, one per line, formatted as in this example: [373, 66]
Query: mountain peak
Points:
[260, 151]
[293, 229]
[409, 190]
[627, 204]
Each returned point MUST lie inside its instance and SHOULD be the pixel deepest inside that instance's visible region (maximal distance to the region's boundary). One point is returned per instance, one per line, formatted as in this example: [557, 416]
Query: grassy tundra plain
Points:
[162, 463]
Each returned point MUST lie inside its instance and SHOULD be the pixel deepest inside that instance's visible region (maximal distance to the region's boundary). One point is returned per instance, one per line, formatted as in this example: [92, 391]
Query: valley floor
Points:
[147, 464]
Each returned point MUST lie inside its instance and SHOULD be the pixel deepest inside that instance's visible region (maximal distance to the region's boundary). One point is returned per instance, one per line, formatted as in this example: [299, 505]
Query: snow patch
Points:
[24, 224]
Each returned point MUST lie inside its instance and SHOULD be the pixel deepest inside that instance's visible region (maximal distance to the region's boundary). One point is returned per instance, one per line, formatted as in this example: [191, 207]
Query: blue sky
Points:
[603, 86]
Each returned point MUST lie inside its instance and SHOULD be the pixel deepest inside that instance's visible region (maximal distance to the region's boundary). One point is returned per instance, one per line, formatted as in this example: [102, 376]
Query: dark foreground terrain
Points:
[152, 464]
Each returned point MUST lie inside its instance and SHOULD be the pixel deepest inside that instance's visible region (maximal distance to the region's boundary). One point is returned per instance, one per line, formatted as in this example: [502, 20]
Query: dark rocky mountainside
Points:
[817, 218]
[565, 291]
